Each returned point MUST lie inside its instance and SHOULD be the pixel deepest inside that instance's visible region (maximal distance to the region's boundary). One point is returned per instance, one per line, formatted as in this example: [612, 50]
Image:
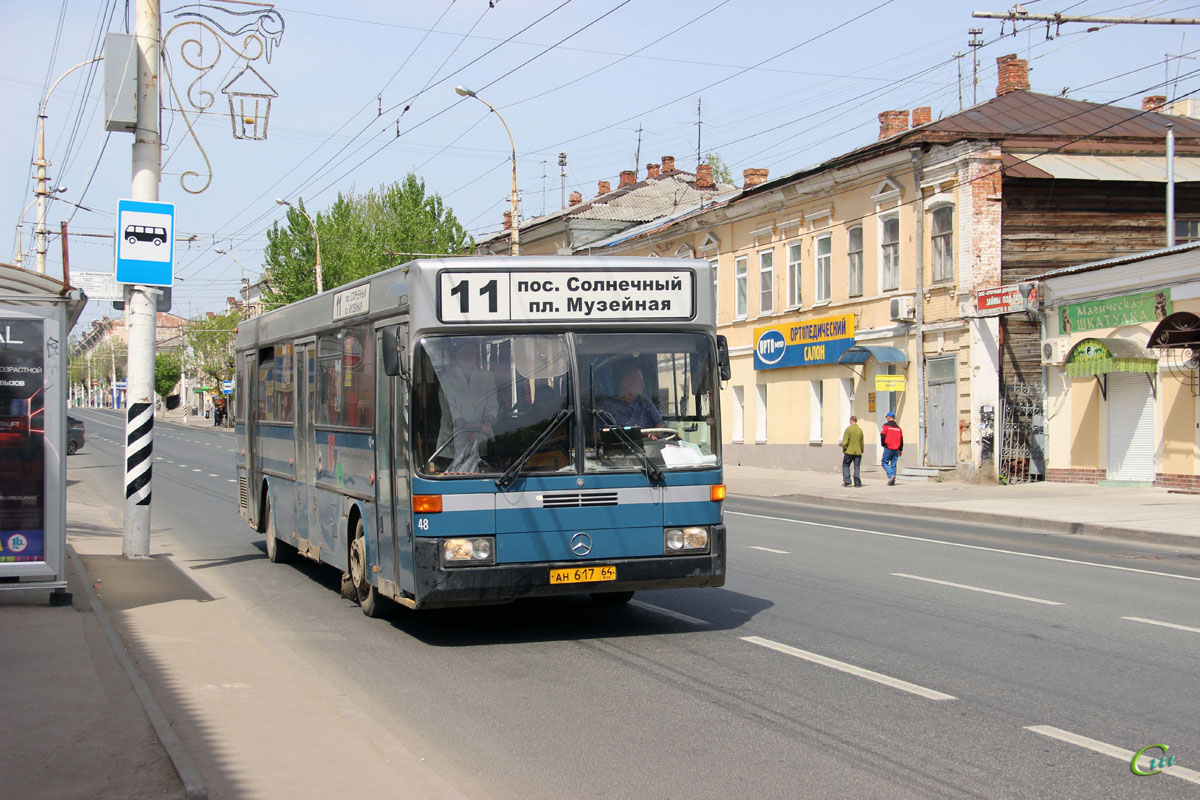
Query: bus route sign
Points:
[546, 296]
[145, 250]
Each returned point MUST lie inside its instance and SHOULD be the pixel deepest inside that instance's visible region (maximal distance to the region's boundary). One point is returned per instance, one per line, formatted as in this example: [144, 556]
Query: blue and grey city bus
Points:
[465, 431]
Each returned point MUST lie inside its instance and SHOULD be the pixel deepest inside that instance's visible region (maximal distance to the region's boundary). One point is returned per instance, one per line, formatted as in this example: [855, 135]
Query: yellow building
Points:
[1121, 347]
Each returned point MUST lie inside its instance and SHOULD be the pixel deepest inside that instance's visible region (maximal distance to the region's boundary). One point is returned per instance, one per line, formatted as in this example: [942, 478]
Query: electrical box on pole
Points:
[120, 83]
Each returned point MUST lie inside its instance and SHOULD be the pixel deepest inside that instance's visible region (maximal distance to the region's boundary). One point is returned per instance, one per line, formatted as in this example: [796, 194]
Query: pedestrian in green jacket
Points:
[852, 452]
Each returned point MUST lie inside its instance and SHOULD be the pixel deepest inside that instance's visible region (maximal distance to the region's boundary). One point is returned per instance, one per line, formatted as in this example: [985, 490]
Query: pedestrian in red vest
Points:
[891, 439]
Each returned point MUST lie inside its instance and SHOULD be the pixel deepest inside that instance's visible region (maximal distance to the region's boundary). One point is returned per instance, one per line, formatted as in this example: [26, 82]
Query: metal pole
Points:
[141, 305]
[42, 192]
[920, 305]
[316, 236]
[1170, 184]
[562, 173]
[515, 239]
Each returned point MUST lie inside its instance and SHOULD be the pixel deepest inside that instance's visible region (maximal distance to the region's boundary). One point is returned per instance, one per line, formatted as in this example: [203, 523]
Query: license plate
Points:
[583, 575]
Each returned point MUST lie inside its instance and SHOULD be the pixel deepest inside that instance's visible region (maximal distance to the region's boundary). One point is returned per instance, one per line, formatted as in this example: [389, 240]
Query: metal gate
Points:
[1022, 433]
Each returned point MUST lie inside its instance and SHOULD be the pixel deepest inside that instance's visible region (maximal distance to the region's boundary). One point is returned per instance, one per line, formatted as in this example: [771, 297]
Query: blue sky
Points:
[781, 85]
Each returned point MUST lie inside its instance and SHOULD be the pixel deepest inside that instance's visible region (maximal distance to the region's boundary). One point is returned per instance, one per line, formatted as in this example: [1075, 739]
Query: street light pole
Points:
[42, 192]
[317, 236]
[515, 237]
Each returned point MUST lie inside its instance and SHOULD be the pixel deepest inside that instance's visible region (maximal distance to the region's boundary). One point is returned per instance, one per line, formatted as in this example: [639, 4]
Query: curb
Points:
[1183, 540]
[193, 784]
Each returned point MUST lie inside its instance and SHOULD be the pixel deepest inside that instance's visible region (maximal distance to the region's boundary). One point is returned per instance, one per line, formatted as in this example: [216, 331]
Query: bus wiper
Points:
[510, 474]
[652, 472]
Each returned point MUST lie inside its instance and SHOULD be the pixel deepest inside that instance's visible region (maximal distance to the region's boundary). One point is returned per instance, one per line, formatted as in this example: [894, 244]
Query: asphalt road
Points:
[849, 655]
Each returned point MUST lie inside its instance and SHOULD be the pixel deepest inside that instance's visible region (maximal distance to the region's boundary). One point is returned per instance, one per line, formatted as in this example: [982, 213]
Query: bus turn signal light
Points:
[716, 492]
[427, 503]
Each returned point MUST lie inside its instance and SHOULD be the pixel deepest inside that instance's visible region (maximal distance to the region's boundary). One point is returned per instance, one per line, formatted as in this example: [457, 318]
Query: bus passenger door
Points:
[251, 477]
[401, 484]
[306, 490]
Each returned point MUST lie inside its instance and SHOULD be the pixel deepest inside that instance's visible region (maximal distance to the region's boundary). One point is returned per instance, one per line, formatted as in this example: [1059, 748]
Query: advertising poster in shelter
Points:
[22, 441]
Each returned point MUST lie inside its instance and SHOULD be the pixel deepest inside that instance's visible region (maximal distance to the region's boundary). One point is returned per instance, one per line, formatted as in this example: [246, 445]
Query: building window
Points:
[1187, 230]
[760, 415]
[943, 243]
[766, 282]
[889, 248]
[824, 266]
[739, 414]
[854, 260]
[815, 400]
[847, 385]
[716, 289]
[793, 274]
[740, 268]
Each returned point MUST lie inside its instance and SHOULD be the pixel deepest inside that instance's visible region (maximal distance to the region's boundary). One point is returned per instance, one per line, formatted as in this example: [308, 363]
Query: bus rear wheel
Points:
[368, 597]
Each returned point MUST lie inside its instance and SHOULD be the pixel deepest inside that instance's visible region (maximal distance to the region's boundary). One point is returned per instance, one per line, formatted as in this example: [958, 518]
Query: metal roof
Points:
[884, 354]
[1066, 166]
[17, 284]
[1112, 262]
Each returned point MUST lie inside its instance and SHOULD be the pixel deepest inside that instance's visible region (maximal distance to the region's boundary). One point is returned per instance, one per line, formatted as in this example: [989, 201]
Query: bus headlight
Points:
[685, 540]
[466, 552]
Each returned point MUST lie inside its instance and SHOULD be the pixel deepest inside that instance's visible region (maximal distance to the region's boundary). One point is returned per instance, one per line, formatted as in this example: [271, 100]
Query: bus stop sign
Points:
[145, 243]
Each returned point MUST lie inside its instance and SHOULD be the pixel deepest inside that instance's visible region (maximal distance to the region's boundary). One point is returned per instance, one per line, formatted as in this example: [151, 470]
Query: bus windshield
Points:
[480, 402]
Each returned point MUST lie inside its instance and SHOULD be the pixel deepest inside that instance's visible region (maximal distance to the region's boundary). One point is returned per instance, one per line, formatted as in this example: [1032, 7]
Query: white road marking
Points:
[966, 546]
[976, 589]
[1112, 750]
[213, 475]
[668, 613]
[1164, 624]
[842, 666]
[768, 549]
[230, 480]
[197, 470]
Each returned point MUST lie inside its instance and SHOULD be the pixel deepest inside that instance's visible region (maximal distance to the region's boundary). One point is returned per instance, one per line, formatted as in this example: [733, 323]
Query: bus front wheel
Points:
[278, 552]
[363, 590]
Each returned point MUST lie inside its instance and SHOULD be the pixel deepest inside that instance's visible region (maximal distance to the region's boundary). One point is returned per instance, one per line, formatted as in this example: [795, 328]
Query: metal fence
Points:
[1022, 433]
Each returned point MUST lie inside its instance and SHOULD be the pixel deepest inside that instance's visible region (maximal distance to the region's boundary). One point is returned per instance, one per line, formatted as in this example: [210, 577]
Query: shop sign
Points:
[1113, 312]
[1005, 300]
[889, 383]
[800, 344]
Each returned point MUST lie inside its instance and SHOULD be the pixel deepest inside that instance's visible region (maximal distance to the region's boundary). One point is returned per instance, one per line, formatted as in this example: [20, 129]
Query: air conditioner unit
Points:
[1055, 351]
[902, 309]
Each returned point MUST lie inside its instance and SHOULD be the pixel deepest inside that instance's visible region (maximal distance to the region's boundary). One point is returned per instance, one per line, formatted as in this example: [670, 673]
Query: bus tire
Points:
[612, 598]
[277, 552]
[368, 597]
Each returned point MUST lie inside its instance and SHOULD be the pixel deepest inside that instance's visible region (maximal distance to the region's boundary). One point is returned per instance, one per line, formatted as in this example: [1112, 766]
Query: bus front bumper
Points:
[503, 583]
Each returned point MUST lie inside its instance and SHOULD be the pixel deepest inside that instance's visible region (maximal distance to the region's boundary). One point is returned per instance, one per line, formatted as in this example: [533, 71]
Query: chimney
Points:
[628, 178]
[651, 171]
[508, 220]
[922, 116]
[576, 198]
[753, 177]
[668, 163]
[1014, 74]
[1154, 102]
[603, 187]
[892, 122]
[704, 178]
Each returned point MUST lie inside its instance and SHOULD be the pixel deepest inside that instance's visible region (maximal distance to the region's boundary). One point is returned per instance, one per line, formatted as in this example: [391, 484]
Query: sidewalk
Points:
[157, 684]
[1149, 514]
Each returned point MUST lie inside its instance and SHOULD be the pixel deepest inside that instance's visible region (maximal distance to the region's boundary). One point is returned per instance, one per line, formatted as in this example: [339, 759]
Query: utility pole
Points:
[699, 124]
[562, 173]
[958, 57]
[141, 304]
[975, 43]
[637, 154]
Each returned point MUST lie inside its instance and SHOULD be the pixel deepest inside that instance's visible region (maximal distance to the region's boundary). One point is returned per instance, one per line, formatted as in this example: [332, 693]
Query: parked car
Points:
[74, 435]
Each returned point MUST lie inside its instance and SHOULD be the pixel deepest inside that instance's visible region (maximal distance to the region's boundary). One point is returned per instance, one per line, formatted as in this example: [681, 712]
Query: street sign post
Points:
[145, 249]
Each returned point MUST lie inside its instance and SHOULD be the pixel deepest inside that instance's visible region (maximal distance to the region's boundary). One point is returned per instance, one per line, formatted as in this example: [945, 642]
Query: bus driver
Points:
[630, 408]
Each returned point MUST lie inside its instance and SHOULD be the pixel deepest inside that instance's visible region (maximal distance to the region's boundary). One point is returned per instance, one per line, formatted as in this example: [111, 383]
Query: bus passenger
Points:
[630, 407]
[469, 406]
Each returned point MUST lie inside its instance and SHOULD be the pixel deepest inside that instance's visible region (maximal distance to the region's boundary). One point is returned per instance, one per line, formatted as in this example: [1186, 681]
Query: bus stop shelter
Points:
[36, 312]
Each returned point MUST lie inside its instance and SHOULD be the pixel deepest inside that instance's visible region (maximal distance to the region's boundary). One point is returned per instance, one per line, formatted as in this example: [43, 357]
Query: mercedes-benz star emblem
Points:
[581, 544]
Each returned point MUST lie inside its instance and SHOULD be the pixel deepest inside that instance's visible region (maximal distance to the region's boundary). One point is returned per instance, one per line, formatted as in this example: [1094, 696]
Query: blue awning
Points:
[883, 354]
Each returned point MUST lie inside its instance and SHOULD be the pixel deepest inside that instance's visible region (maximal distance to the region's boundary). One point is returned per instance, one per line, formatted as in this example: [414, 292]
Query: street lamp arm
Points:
[316, 237]
[515, 232]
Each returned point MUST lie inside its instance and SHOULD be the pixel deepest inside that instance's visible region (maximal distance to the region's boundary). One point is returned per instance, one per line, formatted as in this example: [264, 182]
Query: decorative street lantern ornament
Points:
[236, 39]
[249, 103]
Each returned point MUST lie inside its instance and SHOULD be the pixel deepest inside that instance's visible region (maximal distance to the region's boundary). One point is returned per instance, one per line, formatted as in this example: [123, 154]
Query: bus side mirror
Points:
[723, 358]
[395, 357]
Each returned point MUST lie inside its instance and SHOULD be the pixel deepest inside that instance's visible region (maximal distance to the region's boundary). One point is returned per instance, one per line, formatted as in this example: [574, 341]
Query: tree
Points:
[360, 235]
[721, 171]
[210, 340]
[168, 366]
